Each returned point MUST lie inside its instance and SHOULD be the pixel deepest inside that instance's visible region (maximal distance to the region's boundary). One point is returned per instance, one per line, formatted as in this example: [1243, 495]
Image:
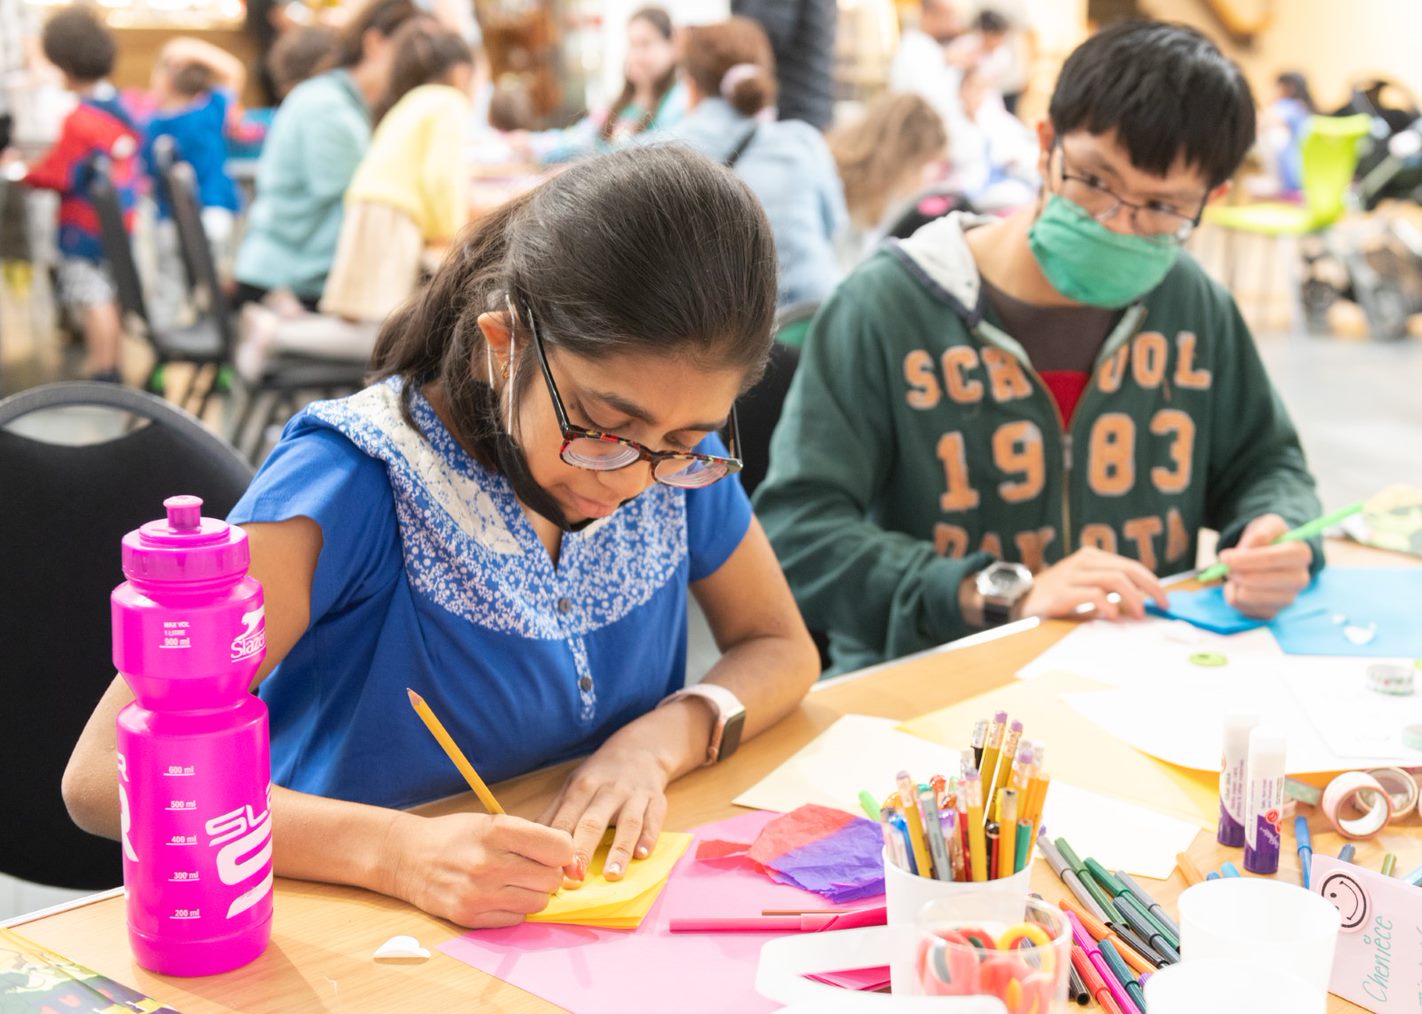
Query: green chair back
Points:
[1329, 155]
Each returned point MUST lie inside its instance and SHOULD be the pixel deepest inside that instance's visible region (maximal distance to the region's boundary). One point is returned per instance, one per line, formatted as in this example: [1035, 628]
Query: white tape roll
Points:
[1356, 792]
[1398, 784]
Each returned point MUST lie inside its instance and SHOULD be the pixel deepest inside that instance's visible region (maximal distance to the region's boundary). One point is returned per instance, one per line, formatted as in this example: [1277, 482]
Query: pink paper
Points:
[592, 971]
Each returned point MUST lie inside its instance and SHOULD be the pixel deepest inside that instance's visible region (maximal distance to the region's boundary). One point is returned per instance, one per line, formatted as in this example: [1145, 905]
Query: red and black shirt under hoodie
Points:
[97, 128]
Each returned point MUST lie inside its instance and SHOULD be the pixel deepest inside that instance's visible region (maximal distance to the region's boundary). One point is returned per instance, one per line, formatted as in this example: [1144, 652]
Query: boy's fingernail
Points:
[643, 852]
[612, 871]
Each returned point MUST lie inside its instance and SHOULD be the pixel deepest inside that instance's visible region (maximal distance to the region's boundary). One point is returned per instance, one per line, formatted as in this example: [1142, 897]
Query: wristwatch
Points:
[730, 718]
[1002, 586]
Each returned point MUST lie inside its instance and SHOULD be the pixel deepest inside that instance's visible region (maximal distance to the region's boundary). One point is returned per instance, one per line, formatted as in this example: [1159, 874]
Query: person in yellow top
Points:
[409, 192]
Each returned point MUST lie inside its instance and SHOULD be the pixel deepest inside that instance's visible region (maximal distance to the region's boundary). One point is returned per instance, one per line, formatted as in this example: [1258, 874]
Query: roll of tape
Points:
[1398, 784]
[1394, 680]
[1360, 790]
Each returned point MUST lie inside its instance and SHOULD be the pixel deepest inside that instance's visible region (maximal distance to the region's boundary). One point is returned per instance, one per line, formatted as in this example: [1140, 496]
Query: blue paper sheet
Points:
[1391, 598]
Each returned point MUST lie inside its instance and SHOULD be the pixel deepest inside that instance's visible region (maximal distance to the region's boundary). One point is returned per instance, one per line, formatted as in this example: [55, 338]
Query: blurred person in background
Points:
[994, 157]
[650, 99]
[730, 81]
[921, 63]
[410, 192]
[886, 156]
[801, 34]
[197, 89]
[317, 139]
[1282, 128]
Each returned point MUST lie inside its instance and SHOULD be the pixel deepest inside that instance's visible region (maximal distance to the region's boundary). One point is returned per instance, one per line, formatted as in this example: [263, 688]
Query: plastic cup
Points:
[1228, 986]
[1280, 927]
[905, 896]
[1024, 961]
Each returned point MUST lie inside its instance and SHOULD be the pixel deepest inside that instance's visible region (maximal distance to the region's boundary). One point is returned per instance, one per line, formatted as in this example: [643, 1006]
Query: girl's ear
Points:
[495, 328]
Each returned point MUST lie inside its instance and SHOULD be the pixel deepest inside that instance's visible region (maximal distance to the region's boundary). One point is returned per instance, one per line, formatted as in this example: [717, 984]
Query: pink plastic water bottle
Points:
[194, 756]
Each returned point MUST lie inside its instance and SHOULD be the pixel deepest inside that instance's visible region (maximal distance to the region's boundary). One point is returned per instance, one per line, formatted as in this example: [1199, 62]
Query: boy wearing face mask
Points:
[995, 419]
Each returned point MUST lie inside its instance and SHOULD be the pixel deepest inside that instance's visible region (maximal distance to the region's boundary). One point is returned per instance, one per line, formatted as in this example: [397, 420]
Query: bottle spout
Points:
[184, 513]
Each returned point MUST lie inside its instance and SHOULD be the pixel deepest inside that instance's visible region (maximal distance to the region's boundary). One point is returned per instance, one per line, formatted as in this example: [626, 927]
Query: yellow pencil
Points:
[1007, 840]
[977, 840]
[441, 735]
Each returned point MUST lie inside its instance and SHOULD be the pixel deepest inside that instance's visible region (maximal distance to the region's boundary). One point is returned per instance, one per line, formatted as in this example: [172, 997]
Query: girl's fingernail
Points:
[643, 852]
[612, 871]
[580, 868]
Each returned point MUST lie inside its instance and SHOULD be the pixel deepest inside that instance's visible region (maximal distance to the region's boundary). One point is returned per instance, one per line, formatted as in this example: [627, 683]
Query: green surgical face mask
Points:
[1087, 262]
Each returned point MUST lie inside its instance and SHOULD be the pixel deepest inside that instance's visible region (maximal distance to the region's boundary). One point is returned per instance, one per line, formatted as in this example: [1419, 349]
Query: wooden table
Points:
[320, 954]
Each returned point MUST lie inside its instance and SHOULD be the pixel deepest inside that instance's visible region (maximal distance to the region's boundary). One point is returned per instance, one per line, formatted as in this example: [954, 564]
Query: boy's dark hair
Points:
[383, 16]
[653, 250]
[990, 22]
[192, 79]
[300, 53]
[1166, 91]
[425, 51]
[79, 44]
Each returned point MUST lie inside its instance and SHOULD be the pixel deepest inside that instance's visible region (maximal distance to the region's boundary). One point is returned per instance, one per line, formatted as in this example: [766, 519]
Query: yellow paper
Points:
[1078, 751]
[620, 904]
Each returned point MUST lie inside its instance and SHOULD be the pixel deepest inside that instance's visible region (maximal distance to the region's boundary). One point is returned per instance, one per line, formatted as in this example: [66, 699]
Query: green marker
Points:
[1305, 531]
[1389, 864]
[1024, 845]
[869, 804]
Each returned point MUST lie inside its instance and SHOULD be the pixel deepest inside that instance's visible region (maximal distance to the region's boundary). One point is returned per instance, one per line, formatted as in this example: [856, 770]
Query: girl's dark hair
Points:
[653, 250]
[425, 52]
[711, 50]
[661, 22]
[383, 16]
[1295, 86]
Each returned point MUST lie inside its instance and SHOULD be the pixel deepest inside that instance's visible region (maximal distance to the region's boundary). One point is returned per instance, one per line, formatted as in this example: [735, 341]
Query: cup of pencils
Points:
[1023, 960]
[965, 839]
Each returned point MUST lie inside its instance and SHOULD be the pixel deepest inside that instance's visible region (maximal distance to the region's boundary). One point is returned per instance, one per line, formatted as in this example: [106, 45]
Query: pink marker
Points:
[1087, 943]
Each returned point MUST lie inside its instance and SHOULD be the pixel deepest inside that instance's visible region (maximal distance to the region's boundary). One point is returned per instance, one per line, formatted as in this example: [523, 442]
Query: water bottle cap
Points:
[185, 546]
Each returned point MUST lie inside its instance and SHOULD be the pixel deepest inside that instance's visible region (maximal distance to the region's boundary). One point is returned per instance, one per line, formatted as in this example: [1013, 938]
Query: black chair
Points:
[759, 411]
[63, 511]
[205, 343]
[287, 377]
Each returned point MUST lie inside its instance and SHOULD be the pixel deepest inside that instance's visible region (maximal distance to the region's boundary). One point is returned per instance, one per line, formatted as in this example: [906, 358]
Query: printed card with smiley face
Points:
[1378, 964]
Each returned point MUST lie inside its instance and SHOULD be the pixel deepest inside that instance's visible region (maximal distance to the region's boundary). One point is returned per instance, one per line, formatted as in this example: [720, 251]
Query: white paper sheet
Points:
[1130, 652]
[857, 753]
[1319, 705]
[1119, 835]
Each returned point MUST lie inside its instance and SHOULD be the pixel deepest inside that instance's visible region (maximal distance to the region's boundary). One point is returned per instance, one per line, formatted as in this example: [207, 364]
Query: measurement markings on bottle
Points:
[180, 771]
[186, 913]
[184, 877]
[181, 805]
[183, 839]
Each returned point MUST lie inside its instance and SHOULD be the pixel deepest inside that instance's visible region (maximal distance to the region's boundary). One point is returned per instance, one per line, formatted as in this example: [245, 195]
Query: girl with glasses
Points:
[508, 521]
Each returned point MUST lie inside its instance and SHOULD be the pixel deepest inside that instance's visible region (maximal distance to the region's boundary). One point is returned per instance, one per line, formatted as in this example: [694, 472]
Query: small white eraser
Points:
[401, 948]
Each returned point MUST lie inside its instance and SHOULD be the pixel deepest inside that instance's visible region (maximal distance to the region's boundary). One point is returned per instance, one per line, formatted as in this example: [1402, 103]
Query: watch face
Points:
[731, 735]
[1006, 580]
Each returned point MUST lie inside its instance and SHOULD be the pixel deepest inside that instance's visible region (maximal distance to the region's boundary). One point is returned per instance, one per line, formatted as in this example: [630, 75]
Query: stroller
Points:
[1376, 263]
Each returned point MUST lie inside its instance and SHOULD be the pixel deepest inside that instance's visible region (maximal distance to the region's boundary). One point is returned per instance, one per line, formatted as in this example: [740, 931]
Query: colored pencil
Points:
[451, 749]
[1188, 869]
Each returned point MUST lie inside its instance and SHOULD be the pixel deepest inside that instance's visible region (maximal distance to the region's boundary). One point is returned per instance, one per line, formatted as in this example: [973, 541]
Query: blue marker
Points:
[1229, 870]
[1346, 852]
[1305, 847]
[1415, 877]
[1212, 875]
[900, 827]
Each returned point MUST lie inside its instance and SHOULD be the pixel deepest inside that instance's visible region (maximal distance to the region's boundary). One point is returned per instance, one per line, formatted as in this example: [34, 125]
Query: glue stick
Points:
[1265, 806]
[1234, 784]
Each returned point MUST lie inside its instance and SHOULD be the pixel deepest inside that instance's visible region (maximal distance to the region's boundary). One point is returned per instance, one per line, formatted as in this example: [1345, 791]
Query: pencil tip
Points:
[414, 697]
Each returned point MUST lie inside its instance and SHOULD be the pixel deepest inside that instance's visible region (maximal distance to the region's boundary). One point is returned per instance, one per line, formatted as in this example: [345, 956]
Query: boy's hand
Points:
[1265, 578]
[1088, 577]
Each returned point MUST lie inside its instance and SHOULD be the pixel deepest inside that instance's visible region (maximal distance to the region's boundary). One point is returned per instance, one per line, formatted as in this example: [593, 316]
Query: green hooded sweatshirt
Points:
[917, 444]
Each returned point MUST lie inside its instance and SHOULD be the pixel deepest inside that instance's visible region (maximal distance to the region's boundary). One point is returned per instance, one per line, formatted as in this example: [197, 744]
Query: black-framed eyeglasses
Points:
[1152, 220]
[607, 452]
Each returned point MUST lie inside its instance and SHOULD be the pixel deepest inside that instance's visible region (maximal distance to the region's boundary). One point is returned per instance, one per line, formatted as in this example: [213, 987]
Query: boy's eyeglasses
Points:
[1152, 220]
[607, 452]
